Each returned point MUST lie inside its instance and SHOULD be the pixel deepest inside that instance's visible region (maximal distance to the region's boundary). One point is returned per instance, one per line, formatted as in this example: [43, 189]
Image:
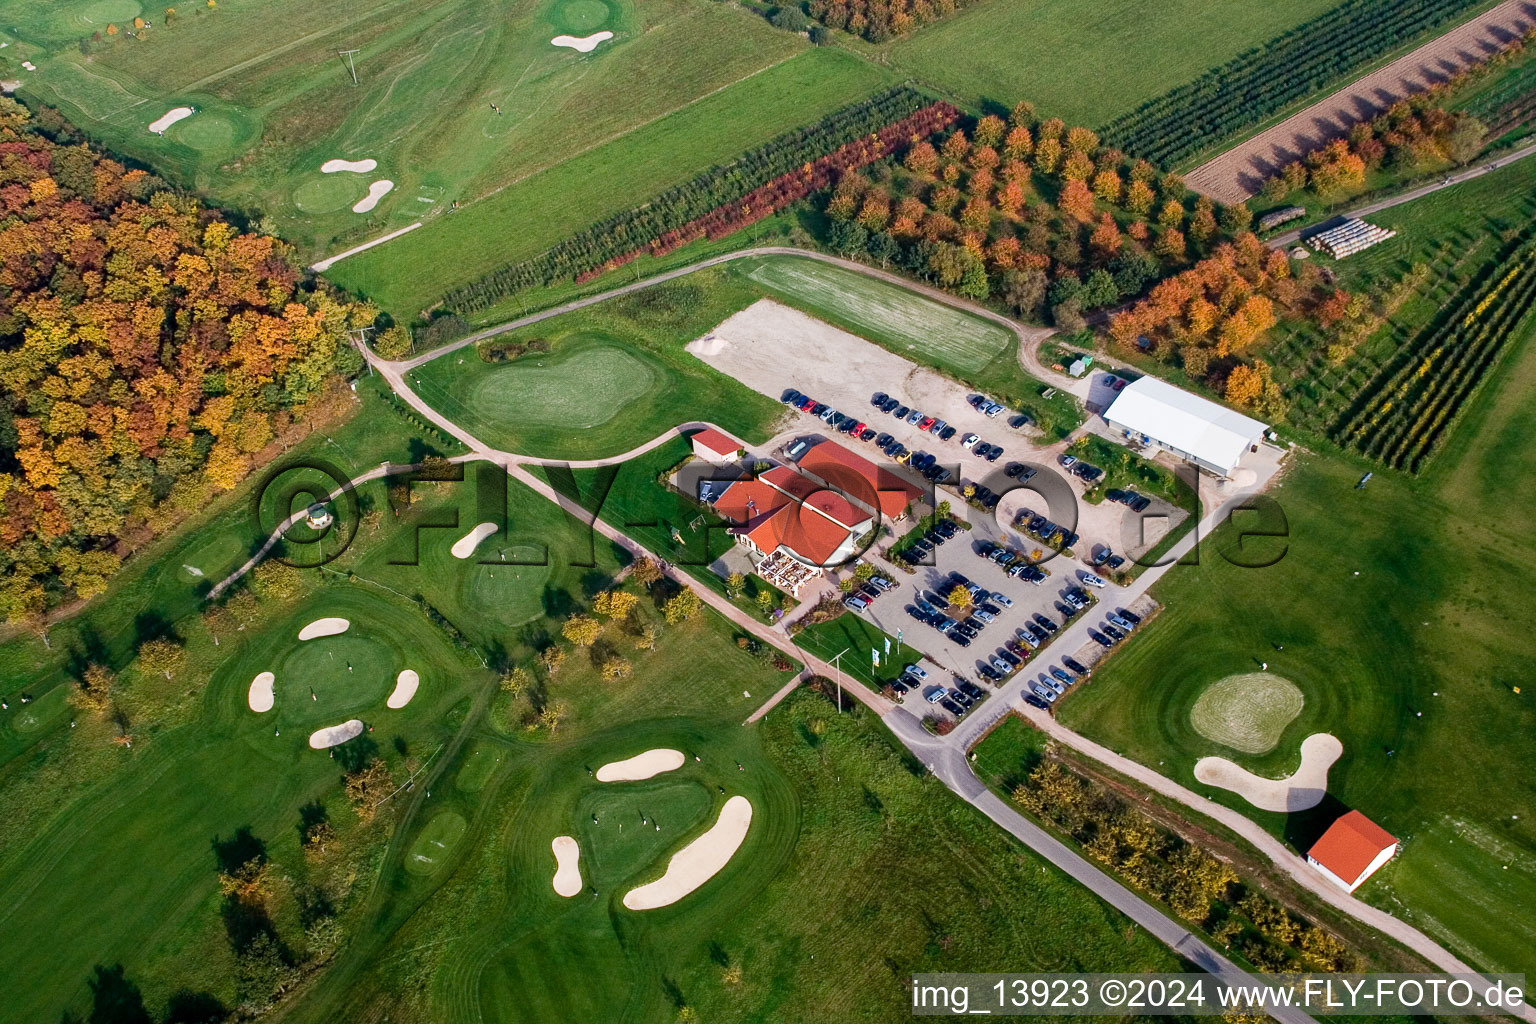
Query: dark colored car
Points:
[946, 433]
[993, 453]
[1036, 702]
[881, 440]
[1100, 638]
[900, 412]
[817, 409]
[959, 639]
[1140, 504]
[1075, 666]
[879, 399]
[791, 397]
[988, 672]
[1046, 623]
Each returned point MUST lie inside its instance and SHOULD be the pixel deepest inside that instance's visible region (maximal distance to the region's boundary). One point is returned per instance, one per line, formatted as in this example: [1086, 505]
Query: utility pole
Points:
[838, 664]
[351, 65]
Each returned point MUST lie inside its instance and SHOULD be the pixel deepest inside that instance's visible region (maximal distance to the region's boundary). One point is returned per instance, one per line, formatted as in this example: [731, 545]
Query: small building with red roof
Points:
[874, 487]
[712, 445]
[1353, 849]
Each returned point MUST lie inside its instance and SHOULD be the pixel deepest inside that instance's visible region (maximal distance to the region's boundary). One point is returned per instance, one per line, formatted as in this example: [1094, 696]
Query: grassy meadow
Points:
[1391, 604]
[455, 99]
[1086, 63]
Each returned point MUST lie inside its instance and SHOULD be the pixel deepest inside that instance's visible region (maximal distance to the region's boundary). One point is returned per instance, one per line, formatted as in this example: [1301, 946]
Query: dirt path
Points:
[1236, 174]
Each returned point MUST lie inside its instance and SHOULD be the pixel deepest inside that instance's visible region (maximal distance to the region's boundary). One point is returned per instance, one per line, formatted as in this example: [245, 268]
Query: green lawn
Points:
[536, 210]
[930, 331]
[1391, 604]
[1087, 63]
[858, 637]
[616, 377]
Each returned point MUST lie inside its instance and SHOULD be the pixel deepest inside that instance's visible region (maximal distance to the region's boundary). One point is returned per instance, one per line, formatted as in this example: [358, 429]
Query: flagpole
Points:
[838, 664]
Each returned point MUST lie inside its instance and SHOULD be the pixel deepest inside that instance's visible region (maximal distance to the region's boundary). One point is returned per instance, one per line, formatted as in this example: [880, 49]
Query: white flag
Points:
[875, 656]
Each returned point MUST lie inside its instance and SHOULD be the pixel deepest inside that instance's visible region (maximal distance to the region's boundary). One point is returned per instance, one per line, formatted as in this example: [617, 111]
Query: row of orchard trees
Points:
[1030, 212]
[717, 187]
[151, 354]
[1263, 81]
[880, 20]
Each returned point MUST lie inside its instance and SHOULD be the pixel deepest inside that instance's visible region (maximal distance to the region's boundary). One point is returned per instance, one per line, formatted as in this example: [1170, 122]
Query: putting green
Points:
[582, 17]
[209, 133]
[1247, 712]
[585, 384]
[328, 194]
[96, 15]
[477, 769]
[321, 666]
[433, 846]
[509, 593]
[623, 857]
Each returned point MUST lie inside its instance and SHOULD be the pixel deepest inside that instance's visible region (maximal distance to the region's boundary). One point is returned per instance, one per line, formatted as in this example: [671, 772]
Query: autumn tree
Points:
[163, 655]
[645, 571]
[553, 715]
[1244, 385]
[681, 607]
[646, 639]
[614, 603]
[92, 693]
[367, 786]
[616, 668]
[393, 342]
[960, 597]
[276, 580]
[581, 630]
[551, 659]
[516, 681]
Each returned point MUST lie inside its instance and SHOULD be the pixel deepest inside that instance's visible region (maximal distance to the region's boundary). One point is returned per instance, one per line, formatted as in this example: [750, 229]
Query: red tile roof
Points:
[716, 442]
[859, 478]
[1349, 846]
[782, 515]
[828, 503]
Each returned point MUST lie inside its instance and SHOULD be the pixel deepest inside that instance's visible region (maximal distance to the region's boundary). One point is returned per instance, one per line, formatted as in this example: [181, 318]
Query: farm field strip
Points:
[1236, 174]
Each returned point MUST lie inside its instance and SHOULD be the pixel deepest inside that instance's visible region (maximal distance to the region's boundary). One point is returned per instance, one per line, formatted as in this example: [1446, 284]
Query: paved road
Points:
[1466, 174]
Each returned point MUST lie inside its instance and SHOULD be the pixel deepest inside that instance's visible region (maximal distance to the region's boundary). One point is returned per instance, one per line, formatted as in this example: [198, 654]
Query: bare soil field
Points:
[1237, 174]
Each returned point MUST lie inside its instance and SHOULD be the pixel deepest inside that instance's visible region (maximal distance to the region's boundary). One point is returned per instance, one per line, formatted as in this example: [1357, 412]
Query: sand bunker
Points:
[465, 545]
[324, 627]
[567, 873]
[378, 190]
[405, 688]
[709, 345]
[641, 766]
[1298, 792]
[1247, 712]
[335, 735]
[357, 166]
[583, 44]
[260, 698]
[697, 862]
[170, 117]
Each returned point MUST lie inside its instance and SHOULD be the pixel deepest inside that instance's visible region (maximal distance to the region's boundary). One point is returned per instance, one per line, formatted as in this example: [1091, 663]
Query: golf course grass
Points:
[1247, 712]
[616, 376]
[1390, 604]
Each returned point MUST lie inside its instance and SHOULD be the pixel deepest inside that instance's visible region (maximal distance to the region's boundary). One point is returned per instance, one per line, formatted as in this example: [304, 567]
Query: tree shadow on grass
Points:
[356, 753]
[114, 999]
[189, 1007]
[239, 850]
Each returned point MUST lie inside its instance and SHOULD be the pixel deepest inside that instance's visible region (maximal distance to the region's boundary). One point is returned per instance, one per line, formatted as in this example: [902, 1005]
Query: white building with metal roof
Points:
[1153, 412]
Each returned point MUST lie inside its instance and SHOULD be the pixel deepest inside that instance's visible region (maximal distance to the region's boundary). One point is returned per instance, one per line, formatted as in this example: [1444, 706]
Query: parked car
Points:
[936, 426]
[1089, 579]
[1028, 639]
[1114, 634]
[900, 412]
[899, 688]
[1008, 656]
[947, 433]
[808, 404]
[879, 399]
[989, 673]
[934, 695]
[1046, 696]
[857, 602]
[1046, 623]
[1068, 461]
[926, 422]
[1135, 619]
[1075, 666]
[984, 616]
[1140, 504]
[882, 584]
[1100, 638]
[1036, 702]
[881, 440]
[1123, 623]
[969, 441]
[914, 416]
[1002, 599]
[959, 639]
[952, 707]
[867, 434]
[1059, 674]
[791, 397]
[827, 414]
